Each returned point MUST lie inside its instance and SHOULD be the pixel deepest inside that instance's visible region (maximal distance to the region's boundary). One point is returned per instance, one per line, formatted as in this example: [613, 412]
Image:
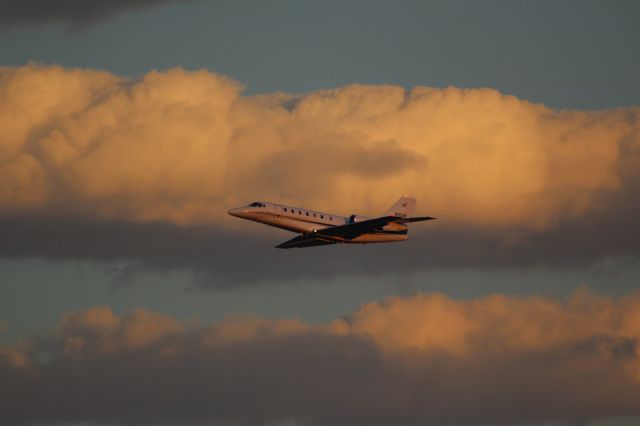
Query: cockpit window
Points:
[257, 204]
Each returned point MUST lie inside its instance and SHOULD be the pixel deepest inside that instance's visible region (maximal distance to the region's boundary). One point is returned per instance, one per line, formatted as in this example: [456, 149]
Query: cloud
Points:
[218, 256]
[72, 12]
[181, 146]
[511, 181]
[415, 360]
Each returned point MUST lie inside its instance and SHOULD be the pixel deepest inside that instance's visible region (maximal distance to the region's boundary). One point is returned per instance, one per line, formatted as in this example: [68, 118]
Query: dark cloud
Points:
[219, 256]
[420, 360]
[77, 13]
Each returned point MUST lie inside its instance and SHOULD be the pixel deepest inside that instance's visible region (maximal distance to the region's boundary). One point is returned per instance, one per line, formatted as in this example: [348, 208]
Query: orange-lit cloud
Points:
[415, 360]
[181, 147]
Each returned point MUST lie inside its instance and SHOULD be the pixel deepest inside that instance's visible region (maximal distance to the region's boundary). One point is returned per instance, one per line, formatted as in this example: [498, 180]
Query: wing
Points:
[304, 241]
[353, 230]
[333, 234]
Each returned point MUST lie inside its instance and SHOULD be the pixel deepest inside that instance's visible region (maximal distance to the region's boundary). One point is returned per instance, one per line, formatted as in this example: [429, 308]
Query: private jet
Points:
[318, 228]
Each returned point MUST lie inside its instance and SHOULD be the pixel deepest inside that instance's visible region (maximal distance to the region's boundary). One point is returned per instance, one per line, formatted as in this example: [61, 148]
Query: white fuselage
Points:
[305, 221]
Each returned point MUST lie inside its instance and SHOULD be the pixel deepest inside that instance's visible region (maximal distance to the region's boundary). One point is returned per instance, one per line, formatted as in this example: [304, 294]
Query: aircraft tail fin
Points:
[404, 207]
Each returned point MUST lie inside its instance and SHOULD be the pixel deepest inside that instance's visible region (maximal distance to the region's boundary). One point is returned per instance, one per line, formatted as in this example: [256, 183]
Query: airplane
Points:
[318, 228]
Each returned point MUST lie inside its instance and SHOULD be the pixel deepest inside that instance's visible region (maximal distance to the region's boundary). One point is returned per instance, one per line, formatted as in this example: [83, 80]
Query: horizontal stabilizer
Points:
[415, 219]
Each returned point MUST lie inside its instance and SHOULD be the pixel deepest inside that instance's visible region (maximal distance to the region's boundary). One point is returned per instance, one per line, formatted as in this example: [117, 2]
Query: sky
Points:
[129, 128]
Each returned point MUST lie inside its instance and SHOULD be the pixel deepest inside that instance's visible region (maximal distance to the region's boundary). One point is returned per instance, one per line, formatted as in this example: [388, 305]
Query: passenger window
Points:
[285, 209]
[330, 218]
[307, 213]
[321, 216]
[299, 211]
[314, 215]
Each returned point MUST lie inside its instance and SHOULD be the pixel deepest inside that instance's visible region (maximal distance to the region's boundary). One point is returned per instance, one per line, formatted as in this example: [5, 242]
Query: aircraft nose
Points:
[238, 212]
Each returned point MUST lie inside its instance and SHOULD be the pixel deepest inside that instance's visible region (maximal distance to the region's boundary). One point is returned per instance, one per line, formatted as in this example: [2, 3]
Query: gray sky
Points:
[568, 54]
